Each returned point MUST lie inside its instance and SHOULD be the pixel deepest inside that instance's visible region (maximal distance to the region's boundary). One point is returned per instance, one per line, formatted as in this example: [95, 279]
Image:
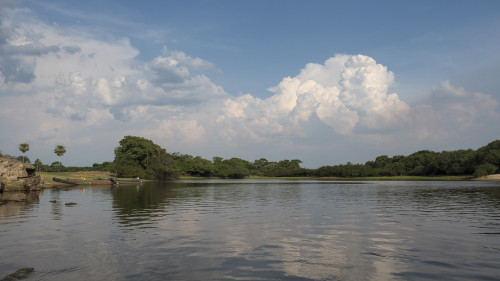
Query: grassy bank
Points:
[47, 177]
[417, 178]
[48, 182]
[395, 178]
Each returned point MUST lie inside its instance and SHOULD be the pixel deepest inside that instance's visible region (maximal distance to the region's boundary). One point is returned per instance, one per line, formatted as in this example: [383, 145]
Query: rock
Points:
[17, 176]
[11, 169]
[20, 196]
[33, 183]
[19, 274]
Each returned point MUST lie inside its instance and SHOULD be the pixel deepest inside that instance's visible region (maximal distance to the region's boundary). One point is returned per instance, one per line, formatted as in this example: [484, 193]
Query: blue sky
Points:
[323, 81]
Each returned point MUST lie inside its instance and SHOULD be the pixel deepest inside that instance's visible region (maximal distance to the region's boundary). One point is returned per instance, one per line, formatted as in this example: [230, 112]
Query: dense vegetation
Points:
[481, 162]
[140, 157]
[140, 152]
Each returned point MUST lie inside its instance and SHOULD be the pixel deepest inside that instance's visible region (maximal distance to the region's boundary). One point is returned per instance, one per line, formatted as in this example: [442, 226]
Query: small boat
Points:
[85, 181]
[62, 180]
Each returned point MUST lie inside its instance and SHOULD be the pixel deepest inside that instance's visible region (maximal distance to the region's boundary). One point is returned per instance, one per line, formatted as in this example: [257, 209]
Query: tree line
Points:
[141, 157]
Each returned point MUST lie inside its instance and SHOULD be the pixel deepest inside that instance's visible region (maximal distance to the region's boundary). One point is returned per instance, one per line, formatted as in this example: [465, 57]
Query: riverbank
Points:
[495, 177]
[49, 182]
[48, 177]
[393, 178]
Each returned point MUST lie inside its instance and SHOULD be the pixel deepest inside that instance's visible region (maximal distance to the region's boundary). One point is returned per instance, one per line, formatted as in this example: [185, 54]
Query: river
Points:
[257, 230]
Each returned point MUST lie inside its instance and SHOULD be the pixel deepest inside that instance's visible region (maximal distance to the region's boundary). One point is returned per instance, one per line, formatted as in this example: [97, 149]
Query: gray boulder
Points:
[17, 176]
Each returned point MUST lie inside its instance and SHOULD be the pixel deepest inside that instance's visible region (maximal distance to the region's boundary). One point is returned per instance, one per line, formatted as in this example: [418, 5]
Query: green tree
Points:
[485, 169]
[23, 147]
[24, 159]
[140, 157]
[184, 163]
[38, 165]
[193, 166]
[202, 167]
[231, 168]
[59, 151]
[217, 160]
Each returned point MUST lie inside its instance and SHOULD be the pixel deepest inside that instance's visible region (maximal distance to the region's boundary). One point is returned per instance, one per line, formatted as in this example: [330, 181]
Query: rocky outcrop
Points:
[20, 196]
[17, 176]
[19, 274]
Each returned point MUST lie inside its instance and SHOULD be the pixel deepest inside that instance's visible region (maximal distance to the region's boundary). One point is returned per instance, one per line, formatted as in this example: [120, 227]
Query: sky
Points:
[326, 82]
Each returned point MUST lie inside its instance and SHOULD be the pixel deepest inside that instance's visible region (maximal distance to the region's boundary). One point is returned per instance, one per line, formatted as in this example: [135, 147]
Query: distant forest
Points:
[140, 157]
[137, 156]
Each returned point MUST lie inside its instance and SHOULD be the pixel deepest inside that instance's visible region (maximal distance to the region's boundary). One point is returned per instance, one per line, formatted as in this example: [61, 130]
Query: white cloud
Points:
[180, 58]
[347, 93]
[174, 130]
[66, 86]
[71, 71]
[452, 111]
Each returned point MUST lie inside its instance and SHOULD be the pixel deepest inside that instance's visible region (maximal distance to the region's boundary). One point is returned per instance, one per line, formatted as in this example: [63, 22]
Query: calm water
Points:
[257, 230]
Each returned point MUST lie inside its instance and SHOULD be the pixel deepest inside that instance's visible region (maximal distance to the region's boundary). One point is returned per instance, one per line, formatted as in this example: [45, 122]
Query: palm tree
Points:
[23, 147]
[38, 165]
[59, 151]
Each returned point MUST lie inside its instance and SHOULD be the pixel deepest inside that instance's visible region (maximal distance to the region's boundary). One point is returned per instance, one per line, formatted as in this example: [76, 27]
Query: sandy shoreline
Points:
[495, 177]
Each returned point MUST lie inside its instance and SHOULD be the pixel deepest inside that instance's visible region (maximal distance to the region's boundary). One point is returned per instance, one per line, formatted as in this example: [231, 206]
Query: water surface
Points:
[257, 230]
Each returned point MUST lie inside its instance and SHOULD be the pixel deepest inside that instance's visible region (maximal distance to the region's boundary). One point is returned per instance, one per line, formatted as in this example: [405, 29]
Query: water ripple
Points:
[259, 230]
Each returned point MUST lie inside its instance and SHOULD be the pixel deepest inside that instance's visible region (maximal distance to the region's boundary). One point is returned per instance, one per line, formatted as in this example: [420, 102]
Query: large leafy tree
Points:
[140, 157]
[231, 168]
[24, 147]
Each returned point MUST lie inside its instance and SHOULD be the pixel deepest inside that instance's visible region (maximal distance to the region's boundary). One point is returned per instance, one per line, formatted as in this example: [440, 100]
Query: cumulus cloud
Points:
[451, 112]
[347, 93]
[69, 83]
[73, 71]
[180, 58]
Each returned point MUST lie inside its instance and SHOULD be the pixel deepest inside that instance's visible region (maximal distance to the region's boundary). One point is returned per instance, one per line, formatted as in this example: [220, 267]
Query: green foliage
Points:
[38, 165]
[23, 147]
[23, 159]
[232, 168]
[284, 168]
[59, 151]
[484, 161]
[140, 157]
[193, 166]
[485, 169]
[104, 166]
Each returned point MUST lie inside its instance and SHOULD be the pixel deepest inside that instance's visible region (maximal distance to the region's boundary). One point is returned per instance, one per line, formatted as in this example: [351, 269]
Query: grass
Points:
[47, 176]
[415, 178]
[394, 178]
